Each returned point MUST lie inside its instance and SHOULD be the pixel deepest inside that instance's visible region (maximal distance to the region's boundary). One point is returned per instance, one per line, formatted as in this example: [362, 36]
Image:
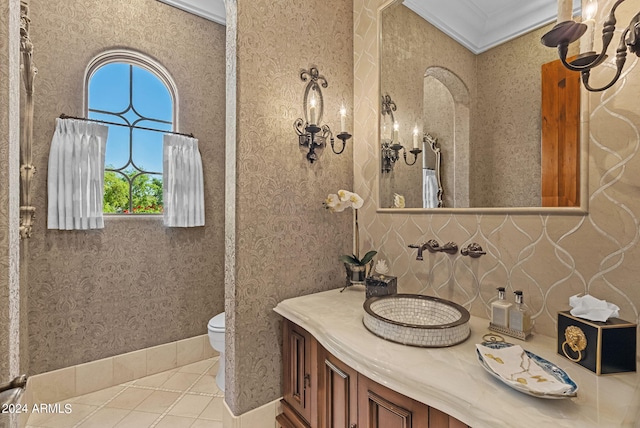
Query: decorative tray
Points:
[550, 368]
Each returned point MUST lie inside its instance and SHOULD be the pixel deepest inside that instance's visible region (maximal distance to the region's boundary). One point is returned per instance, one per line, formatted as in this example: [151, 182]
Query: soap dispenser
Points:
[500, 310]
[520, 316]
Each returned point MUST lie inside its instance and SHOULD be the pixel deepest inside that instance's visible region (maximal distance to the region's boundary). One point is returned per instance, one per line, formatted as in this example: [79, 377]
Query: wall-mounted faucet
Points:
[433, 247]
[473, 250]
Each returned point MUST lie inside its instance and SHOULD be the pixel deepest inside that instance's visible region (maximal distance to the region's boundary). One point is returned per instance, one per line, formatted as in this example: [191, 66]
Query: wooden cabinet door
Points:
[560, 136]
[297, 370]
[438, 419]
[380, 407]
[337, 393]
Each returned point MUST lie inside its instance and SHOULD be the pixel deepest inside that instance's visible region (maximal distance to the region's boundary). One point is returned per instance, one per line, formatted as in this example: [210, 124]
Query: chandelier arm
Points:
[404, 154]
[621, 57]
[608, 30]
[334, 150]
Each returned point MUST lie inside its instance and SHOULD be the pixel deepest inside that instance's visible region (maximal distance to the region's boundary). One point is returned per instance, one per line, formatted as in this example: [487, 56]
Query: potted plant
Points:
[355, 266]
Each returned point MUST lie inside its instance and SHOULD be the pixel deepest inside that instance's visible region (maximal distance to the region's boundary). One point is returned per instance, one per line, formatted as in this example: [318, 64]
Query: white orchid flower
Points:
[343, 200]
[332, 200]
[341, 206]
[356, 201]
[344, 195]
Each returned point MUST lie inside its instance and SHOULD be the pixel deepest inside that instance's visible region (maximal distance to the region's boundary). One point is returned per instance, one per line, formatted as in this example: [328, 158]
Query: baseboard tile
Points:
[261, 417]
[58, 385]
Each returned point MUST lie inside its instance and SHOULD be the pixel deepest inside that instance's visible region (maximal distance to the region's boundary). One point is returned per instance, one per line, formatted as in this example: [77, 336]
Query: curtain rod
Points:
[65, 116]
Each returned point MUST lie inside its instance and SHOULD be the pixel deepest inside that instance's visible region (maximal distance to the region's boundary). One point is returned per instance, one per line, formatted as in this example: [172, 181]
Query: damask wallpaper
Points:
[284, 242]
[135, 283]
[548, 256]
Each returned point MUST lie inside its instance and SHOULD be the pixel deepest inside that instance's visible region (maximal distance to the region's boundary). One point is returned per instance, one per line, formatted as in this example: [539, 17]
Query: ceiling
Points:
[478, 25]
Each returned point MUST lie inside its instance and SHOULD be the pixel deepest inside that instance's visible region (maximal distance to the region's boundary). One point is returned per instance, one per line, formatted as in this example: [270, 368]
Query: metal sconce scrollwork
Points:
[391, 146]
[312, 136]
[27, 169]
[569, 31]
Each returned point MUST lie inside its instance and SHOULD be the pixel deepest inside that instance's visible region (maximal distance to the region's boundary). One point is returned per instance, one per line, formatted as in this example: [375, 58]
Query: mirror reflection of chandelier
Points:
[567, 31]
[390, 140]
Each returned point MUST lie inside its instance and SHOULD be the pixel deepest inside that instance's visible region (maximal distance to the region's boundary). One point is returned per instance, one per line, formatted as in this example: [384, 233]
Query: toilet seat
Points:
[216, 323]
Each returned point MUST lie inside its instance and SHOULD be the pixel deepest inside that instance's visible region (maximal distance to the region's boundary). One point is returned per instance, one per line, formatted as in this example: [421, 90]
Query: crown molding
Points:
[479, 25]
[213, 10]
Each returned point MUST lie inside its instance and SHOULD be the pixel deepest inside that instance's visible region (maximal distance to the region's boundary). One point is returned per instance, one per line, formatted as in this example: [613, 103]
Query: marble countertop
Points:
[452, 380]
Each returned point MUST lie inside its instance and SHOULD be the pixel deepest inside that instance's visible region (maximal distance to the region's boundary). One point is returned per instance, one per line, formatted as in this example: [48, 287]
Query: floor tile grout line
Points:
[166, 412]
[208, 394]
[101, 406]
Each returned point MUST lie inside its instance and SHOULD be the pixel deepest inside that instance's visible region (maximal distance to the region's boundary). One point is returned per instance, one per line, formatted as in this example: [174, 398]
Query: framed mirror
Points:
[511, 132]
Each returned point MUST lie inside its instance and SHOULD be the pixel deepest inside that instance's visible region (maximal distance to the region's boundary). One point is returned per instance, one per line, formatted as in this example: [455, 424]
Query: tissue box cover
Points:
[381, 285]
[610, 346]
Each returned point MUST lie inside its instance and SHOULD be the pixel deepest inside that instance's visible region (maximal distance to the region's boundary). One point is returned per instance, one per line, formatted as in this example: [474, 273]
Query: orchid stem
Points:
[357, 234]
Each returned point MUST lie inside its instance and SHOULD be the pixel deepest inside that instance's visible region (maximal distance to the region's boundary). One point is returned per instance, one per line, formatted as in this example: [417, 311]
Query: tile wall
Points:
[548, 256]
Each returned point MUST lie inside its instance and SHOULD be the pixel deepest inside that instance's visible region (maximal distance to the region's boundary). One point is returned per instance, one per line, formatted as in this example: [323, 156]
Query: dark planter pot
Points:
[356, 274]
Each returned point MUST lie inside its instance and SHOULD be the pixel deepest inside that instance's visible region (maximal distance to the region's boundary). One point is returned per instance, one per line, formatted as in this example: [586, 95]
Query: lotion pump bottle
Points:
[520, 316]
[500, 310]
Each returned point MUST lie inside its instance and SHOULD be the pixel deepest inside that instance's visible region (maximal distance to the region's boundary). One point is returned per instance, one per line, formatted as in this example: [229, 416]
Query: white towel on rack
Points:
[75, 178]
[183, 184]
[429, 189]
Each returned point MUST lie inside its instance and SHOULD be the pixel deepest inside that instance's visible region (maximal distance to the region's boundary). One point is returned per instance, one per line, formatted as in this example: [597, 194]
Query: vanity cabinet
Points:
[338, 393]
[320, 391]
[299, 376]
[380, 407]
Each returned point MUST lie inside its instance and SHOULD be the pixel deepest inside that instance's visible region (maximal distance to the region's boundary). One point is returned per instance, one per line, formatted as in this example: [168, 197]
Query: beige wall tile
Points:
[129, 366]
[191, 350]
[262, 417]
[94, 376]
[53, 386]
[161, 358]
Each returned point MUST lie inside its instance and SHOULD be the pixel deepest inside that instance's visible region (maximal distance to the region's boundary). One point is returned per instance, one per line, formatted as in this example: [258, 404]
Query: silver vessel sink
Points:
[417, 320]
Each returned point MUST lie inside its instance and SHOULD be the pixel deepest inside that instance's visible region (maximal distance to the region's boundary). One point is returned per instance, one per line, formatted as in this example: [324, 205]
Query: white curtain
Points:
[430, 189]
[183, 190]
[76, 175]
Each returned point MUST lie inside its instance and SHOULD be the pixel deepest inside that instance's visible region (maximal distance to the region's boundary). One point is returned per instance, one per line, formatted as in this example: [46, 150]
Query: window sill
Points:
[133, 216]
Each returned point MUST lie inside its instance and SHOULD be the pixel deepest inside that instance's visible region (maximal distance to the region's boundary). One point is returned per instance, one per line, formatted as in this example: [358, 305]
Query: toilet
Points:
[216, 338]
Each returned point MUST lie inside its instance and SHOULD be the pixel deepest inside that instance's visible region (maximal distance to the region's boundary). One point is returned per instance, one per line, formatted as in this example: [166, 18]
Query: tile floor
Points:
[183, 397]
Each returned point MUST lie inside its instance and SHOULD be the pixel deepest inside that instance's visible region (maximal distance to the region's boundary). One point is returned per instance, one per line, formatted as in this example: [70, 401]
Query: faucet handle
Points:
[473, 250]
[450, 247]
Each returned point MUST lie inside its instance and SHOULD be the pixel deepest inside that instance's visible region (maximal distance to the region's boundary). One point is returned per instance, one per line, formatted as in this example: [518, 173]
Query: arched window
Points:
[134, 91]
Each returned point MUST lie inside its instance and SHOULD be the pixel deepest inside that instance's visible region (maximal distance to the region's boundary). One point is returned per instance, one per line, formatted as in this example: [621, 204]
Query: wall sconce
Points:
[568, 31]
[311, 135]
[391, 145]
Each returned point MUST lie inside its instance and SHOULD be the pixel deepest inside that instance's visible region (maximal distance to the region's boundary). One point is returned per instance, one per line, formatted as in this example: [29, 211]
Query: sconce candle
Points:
[588, 16]
[395, 133]
[312, 110]
[343, 119]
[565, 10]
[415, 138]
